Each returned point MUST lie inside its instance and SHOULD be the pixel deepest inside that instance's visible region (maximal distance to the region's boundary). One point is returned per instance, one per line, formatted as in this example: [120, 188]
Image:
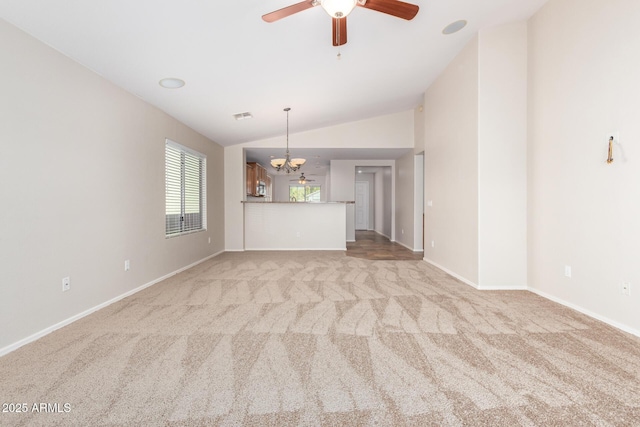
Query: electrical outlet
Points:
[403, 231]
[567, 271]
[433, 243]
[209, 240]
[66, 284]
[127, 265]
[626, 288]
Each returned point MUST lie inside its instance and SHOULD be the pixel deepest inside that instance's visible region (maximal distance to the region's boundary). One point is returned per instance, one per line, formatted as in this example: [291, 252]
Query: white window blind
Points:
[185, 190]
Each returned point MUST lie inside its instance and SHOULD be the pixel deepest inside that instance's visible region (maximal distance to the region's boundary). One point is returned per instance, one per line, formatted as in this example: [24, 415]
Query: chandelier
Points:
[287, 164]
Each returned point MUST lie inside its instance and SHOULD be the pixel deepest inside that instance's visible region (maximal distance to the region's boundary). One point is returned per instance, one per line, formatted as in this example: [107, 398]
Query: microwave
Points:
[261, 189]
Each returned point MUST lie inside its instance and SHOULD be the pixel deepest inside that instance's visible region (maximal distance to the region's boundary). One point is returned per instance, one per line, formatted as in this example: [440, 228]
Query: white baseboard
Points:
[11, 347]
[502, 288]
[550, 297]
[295, 249]
[417, 251]
[478, 287]
[451, 273]
[383, 235]
[584, 311]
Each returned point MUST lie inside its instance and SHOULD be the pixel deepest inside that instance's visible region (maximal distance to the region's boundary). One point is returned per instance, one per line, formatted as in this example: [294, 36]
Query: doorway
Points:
[362, 205]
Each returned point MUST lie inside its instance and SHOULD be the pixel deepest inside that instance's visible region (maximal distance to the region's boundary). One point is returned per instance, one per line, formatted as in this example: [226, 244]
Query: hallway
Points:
[373, 246]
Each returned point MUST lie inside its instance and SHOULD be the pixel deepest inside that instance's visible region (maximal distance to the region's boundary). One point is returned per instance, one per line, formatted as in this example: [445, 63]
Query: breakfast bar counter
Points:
[295, 225]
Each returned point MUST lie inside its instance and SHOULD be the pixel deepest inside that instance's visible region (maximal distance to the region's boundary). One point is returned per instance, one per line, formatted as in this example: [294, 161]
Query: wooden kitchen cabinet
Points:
[256, 177]
[261, 173]
[251, 179]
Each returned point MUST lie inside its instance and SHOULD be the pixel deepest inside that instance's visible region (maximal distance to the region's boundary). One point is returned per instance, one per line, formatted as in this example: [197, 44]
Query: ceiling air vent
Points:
[242, 116]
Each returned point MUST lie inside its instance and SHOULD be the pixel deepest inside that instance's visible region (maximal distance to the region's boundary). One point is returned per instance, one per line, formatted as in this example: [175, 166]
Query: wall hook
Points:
[610, 157]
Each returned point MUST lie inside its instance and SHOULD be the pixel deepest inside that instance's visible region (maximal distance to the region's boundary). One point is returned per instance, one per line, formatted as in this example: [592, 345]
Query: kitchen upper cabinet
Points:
[256, 179]
[262, 174]
[251, 179]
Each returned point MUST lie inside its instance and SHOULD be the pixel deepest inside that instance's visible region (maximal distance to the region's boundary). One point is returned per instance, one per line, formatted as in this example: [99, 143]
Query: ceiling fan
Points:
[339, 9]
[303, 179]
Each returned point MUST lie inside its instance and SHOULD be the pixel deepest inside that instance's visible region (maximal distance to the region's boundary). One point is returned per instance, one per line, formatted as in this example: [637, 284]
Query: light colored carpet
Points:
[311, 338]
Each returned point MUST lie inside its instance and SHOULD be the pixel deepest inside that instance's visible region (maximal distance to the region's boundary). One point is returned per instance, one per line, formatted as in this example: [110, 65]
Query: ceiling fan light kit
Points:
[303, 179]
[338, 8]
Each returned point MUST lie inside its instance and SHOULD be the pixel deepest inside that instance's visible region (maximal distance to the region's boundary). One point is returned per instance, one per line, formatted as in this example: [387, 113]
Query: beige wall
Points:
[418, 202]
[82, 172]
[475, 118]
[405, 200]
[451, 166]
[418, 129]
[234, 194]
[502, 157]
[388, 205]
[584, 70]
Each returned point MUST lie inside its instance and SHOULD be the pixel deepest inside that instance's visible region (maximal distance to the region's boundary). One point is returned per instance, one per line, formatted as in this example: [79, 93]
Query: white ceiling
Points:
[233, 61]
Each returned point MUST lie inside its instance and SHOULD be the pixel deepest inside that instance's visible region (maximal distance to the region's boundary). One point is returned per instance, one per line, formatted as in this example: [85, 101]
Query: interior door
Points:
[362, 205]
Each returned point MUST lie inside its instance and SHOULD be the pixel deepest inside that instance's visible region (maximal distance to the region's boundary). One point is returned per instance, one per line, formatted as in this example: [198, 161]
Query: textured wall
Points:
[583, 85]
[502, 156]
[451, 169]
[82, 172]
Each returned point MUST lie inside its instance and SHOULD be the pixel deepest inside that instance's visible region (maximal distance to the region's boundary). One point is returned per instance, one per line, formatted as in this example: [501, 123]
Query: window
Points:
[304, 193]
[185, 190]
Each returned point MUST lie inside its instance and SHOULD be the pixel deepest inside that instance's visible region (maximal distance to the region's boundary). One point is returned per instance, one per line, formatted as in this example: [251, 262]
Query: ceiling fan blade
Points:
[289, 10]
[396, 8]
[339, 31]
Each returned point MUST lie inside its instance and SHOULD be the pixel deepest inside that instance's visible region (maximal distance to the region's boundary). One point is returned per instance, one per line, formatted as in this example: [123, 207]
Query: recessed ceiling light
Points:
[454, 27]
[242, 116]
[171, 83]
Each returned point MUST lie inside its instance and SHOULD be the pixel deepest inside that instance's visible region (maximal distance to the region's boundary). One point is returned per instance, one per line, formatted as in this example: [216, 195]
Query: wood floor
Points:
[371, 245]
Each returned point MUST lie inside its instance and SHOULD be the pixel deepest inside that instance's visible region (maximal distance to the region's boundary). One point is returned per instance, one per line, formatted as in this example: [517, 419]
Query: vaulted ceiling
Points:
[232, 61]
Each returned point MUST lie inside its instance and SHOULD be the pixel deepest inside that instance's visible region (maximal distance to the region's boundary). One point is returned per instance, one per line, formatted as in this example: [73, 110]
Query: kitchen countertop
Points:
[298, 203]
